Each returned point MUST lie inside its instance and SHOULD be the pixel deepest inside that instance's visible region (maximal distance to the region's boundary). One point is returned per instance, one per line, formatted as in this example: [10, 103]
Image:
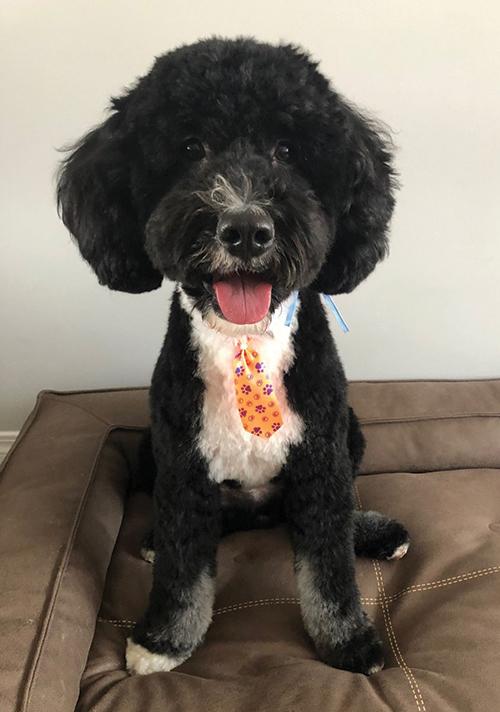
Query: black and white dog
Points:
[234, 169]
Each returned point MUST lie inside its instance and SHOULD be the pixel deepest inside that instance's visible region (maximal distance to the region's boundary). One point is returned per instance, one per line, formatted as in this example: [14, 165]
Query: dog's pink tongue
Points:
[243, 298]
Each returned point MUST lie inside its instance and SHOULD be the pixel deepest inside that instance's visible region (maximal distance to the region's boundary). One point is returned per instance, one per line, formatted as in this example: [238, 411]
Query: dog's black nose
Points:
[246, 233]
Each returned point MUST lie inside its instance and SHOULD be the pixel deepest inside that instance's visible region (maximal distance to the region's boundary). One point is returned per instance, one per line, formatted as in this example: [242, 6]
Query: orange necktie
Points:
[259, 411]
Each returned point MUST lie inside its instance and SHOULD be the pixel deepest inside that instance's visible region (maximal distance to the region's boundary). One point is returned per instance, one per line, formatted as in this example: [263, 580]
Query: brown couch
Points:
[72, 584]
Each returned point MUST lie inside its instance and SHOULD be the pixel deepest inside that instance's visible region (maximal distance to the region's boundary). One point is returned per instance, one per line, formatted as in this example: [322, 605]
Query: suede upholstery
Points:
[72, 582]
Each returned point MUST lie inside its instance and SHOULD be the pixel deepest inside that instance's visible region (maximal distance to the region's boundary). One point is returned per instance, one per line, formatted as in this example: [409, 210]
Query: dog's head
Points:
[235, 169]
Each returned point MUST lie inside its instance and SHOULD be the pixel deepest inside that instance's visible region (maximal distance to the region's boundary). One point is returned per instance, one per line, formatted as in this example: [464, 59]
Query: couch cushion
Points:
[438, 610]
[62, 489]
[418, 426]
[432, 452]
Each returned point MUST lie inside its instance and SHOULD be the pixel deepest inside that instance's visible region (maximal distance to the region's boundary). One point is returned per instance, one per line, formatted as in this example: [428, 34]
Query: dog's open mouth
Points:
[243, 297]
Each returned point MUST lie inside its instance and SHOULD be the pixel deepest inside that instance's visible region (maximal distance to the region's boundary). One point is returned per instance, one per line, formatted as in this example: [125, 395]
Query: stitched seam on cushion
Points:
[370, 599]
[420, 418]
[256, 602]
[85, 391]
[292, 600]
[469, 468]
[366, 600]
[431, 585]
[56, 587]
[117, 622]
[394, 643]
[358, 498]
[428, 380]
[390, 630]
[285, 600]
[364, 421]
[224, 609]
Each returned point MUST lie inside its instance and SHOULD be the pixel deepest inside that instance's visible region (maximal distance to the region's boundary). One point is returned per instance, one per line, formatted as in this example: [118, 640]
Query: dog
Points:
[234, 169]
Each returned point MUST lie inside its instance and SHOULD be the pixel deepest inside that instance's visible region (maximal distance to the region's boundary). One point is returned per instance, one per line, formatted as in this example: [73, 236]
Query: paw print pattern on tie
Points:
[257, 406]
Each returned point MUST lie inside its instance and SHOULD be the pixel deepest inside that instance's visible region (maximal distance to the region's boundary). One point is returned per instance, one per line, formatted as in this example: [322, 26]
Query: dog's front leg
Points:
[319, 510]
[187, 525]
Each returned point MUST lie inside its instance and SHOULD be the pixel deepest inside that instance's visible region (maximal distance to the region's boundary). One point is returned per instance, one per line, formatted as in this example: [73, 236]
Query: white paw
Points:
[141, 661]
[400, 551]
[375, 668]
[148, 555]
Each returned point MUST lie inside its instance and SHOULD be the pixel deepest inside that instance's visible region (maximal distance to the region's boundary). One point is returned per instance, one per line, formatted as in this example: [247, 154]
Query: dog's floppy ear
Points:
[95, 203]
[364, 204]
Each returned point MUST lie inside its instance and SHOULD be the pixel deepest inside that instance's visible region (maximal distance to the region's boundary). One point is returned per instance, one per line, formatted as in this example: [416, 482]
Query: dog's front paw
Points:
[361, 653]
[141, 661]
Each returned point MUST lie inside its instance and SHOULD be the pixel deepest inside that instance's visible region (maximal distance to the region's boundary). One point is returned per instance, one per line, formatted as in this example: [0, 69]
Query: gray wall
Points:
[430, 69]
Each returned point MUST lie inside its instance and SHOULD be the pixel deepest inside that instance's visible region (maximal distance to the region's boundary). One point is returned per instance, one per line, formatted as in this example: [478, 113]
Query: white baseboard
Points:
[7, 438]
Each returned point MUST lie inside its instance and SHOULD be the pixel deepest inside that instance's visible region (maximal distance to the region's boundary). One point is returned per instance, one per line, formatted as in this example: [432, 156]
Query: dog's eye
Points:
[194, 149]
[283, 151]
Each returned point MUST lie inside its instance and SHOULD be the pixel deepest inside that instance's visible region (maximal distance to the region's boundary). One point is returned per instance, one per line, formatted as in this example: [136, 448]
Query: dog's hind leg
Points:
[241, 510]
[148, 547]
[379, 537]
[144, 473]
[355, 442]
[375, 535]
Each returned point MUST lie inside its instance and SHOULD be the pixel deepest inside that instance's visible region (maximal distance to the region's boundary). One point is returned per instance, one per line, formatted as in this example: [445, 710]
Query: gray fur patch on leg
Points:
[321, 616]
[192, 621]
[347, 640]
[185, 632]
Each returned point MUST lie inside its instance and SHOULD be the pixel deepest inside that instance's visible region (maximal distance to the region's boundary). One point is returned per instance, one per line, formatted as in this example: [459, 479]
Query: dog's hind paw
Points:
[399, 551]
[147, 548]
[378, 537]
[148, 555]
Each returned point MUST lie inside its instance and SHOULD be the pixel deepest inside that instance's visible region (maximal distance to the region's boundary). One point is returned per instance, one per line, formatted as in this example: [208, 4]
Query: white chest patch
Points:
[231, 452]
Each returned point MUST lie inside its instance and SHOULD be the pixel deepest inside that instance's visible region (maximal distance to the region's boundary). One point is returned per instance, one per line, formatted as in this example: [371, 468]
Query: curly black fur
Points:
[213, 127]
[130, 181]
